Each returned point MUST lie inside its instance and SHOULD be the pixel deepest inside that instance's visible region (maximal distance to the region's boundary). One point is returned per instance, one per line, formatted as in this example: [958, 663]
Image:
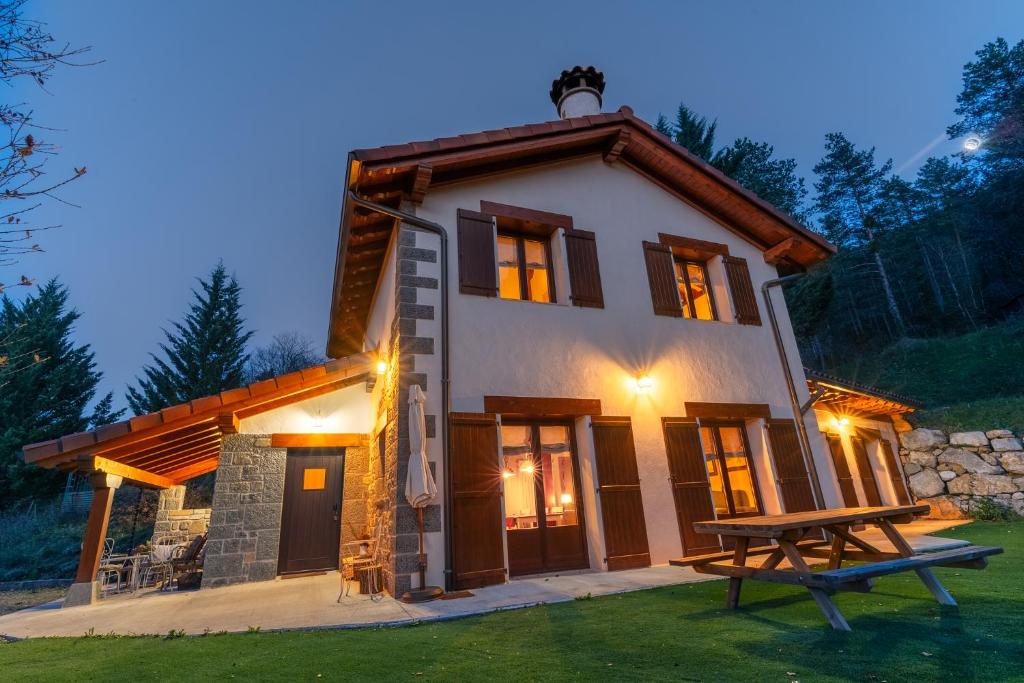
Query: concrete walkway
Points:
[310, 602]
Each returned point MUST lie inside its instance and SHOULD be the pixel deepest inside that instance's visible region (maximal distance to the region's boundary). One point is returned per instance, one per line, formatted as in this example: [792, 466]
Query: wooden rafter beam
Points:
[617, 146]
[782, 250]
[193, 471]
[420, 183]
[94, 463]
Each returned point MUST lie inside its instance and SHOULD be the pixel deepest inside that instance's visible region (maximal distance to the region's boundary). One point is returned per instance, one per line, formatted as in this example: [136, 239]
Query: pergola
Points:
[853, 398]
[166, 448]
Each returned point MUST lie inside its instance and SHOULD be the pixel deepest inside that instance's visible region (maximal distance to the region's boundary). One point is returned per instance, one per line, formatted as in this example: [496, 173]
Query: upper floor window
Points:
[524, 268]
[695, 295]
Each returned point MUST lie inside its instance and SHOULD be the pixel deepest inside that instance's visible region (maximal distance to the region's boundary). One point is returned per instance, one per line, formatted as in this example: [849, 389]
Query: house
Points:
[594, 316]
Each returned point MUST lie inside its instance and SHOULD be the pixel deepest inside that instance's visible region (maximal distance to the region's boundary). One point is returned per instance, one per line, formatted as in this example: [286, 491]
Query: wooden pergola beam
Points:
[193, 471]
[95, 463]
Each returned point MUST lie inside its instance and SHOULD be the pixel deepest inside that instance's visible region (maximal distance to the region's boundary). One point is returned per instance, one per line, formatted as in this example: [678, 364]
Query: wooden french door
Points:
[864, 471]
[842, 467]
[544, 527]
[690, 488]
[477, 550]
[618, 486]
[311, 514]
[899, 484]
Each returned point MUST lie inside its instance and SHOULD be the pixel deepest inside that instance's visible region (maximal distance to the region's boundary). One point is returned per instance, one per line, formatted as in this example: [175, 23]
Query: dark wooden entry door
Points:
[311, 517]
[478, 556]
[690, 488]
[864, 471]
[843, 474]
[544, 526]
[618, 485]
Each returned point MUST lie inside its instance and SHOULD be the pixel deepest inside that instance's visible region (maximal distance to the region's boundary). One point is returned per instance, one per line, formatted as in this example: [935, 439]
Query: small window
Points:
[694, 290]
[314, 478]
[524, 268]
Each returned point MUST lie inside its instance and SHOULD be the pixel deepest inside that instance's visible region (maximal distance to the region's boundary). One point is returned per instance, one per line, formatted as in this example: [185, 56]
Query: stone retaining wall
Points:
[951, 472]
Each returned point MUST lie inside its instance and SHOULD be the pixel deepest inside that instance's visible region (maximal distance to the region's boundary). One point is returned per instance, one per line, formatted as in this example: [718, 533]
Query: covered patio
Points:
[167, 448]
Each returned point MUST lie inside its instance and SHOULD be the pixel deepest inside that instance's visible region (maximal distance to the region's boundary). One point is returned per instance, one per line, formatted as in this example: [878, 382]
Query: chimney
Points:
[577, 92]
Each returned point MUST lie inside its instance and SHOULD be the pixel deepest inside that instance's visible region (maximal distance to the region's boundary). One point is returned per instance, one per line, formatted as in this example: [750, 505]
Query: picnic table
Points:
[795, 536]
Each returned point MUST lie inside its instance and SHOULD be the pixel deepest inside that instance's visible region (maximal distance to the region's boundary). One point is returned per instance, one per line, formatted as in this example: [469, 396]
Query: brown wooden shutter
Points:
[477, 523]
[790, 468]
[618, 485]
[843, 474]
[743, 297]
[864, 471]
[477, 262]
[661, 275]
[899, 484]
[584, 272]
[690, 488]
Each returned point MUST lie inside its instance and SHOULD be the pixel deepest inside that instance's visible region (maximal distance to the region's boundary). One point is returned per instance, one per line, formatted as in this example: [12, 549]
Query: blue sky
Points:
[218, 130]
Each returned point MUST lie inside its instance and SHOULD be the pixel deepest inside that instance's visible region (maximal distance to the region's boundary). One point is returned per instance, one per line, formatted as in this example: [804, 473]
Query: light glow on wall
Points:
[641, 384]
[382, 366]
[840, 421]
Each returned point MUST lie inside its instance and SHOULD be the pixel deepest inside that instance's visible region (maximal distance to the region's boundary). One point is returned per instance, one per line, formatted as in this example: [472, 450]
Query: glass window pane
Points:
[699, 289]
[714, 466]
[314, 478]
[559, 487]
[537, 283]
[737, 464]
[508, 268]
[518, 472]
[681, 287]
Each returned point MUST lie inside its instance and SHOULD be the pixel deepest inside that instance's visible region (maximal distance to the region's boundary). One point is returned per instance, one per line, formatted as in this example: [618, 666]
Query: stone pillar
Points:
[85, 589]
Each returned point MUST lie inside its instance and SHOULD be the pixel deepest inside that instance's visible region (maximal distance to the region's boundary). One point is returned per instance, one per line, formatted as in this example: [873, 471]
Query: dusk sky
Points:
[219, 130]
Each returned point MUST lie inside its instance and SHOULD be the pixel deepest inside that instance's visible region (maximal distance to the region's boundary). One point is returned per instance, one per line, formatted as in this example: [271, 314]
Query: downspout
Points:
[438, 230]
[798, 410]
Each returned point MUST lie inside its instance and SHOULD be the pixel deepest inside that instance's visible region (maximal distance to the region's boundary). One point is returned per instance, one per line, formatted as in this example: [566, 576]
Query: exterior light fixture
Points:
[382, 367]
[566, 498]
[526, 467]
[643, 384]
[506, 473]
[840, 422]
[972, 143]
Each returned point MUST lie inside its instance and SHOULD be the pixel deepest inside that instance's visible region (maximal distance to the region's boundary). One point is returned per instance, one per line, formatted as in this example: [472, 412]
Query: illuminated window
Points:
[694, 290]
[730, 471]
[524, 269]
[314, 478]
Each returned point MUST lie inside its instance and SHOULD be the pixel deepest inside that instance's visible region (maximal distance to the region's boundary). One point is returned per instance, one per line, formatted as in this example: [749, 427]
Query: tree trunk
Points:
[890, 298]
[933, 281]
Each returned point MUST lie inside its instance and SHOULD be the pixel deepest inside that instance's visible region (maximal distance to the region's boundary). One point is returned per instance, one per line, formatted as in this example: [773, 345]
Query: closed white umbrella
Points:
[420, 488]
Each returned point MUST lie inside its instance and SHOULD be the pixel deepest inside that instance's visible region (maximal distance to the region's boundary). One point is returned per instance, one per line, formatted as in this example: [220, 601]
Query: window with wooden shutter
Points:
[476, 254]
[661, 275]
[690, 488]
[584, 272]
[790, 468]
[899, 484]
[618, 485]
[743, 298]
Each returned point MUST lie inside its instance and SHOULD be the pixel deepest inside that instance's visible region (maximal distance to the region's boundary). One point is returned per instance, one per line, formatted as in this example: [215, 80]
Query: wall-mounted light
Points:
[643, 384]
[526, 467]
[382, 366]
[506, 473]
[840, 422]
[317, 421]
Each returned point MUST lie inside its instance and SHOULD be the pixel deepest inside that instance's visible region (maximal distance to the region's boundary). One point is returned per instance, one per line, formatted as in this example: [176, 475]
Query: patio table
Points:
[794, 539]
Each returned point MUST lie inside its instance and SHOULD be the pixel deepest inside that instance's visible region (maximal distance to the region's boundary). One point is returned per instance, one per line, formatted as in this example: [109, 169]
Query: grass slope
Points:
[677, 633]
[970, 381]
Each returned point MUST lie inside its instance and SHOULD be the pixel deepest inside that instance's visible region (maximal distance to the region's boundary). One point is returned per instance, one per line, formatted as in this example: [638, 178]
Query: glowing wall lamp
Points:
[643, 384]
[382, 366]
[840, 422]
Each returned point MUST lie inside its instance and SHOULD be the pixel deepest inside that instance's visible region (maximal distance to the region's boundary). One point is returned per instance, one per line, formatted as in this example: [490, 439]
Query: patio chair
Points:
[113, 572]
[158, 567]
[188, 559]
[362, 557]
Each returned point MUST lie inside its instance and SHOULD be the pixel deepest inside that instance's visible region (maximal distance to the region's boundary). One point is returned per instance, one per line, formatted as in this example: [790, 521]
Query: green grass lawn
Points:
[678, 633]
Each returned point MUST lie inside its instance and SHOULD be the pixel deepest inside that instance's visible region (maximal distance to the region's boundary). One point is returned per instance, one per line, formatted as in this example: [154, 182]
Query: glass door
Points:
[543, 520]
[730, 470]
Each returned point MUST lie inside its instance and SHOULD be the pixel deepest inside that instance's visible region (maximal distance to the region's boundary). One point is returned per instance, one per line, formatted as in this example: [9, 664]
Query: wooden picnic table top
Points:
[774, 526]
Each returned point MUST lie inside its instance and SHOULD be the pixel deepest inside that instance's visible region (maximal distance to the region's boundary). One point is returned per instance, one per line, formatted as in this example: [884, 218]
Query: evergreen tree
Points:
[46, 385]
[203, 355]
[691, 131]
[752, 165]
[850, 201]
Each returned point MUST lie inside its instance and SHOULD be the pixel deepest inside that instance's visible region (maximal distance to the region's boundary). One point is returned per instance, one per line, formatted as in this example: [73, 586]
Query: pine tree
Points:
[752, 165]
[694, 132]
[850, 197]
[46, 385]
[203, 355]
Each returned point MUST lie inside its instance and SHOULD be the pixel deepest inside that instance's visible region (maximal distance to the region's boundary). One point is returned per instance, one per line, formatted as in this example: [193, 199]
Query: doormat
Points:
[456, 595]
[301, 575]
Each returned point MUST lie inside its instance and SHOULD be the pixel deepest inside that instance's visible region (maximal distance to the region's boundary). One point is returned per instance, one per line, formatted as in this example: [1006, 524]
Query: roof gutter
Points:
[439, 230]
[798, 410]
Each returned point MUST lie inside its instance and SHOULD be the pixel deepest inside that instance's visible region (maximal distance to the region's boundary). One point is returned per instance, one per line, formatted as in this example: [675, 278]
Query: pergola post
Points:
[85, 589]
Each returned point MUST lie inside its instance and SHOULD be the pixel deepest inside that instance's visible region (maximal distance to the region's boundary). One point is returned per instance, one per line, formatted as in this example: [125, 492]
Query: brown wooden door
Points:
[899, 484]
[843, 474]
[477, 550]
[864, 472]
[690, 488]
[790, 468]
[618, 485]
[311, 514]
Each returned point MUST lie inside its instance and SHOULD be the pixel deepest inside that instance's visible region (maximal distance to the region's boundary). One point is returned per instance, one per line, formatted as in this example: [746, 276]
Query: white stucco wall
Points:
[829, 423]
[502, 347]
[345, 411]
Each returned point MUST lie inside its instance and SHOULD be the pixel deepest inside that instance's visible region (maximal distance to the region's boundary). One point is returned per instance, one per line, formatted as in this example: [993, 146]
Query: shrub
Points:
[987, 510]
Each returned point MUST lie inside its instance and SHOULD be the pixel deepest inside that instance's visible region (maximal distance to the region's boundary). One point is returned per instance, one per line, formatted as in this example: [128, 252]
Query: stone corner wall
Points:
[175, 521]
[951, 472]
[245, 527]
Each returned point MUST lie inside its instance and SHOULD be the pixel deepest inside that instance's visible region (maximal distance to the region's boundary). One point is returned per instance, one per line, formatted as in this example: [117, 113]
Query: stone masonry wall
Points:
[386, 496]
[245, 528]
[952, 472]
[354, 512]
[174, 522]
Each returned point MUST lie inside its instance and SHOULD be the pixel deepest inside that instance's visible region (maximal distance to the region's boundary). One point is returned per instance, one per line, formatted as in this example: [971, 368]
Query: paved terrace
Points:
[310, 602]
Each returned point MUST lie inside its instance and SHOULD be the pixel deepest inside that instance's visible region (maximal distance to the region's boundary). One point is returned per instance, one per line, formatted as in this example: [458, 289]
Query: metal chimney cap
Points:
[574, 79]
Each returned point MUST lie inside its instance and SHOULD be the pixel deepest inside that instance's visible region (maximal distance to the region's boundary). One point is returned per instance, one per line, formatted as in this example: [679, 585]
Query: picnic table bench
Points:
[794, 539]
